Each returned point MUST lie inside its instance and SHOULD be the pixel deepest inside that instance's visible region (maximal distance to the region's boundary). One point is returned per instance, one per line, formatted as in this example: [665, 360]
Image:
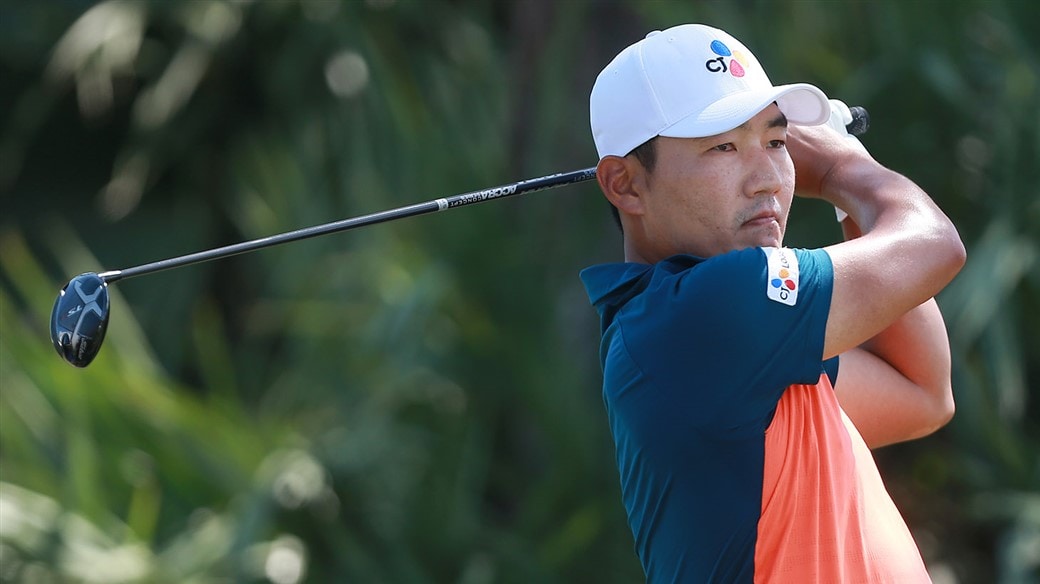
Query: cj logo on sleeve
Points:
[781, 275]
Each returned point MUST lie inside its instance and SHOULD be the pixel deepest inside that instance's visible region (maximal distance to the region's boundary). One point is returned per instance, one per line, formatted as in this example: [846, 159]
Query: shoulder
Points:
[750, 262]
[738, 278]
[760, 271]
[746, 290]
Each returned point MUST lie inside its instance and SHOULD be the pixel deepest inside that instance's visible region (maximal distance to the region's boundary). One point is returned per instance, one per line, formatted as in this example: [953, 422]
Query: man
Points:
[726, 356]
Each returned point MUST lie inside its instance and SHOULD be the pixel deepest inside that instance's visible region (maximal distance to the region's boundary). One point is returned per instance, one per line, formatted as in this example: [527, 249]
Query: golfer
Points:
[746, 382]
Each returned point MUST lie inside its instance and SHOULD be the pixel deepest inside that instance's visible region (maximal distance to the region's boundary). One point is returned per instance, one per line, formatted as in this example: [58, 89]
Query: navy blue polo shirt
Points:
[696, 354]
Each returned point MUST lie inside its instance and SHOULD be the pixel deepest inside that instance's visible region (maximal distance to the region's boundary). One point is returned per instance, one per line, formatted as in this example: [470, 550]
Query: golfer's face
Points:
[722, 193]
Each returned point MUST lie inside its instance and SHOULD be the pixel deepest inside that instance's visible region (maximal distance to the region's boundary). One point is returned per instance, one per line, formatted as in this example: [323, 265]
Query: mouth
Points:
[762, 218]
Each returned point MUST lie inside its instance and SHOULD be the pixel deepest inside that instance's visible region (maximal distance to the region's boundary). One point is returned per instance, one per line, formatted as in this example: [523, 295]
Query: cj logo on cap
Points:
[735, 67]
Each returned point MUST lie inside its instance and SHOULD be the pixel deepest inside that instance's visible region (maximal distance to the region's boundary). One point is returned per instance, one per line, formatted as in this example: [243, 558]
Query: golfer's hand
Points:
[817, 151]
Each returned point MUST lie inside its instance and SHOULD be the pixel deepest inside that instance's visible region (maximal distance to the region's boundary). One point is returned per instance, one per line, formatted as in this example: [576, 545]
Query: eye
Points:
[727, 147]
[777, 144]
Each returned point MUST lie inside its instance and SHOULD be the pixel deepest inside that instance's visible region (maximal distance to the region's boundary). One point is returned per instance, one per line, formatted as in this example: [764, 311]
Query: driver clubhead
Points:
[80, 318]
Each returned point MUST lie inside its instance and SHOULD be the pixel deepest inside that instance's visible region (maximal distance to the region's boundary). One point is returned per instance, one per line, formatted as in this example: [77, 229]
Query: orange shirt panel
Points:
[826, 515]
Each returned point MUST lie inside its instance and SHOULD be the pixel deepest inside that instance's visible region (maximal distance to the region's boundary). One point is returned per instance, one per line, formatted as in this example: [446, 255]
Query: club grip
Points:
[860, 121]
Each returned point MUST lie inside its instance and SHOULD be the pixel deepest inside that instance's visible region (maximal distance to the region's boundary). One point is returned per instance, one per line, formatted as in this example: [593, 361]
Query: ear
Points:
[623, 182]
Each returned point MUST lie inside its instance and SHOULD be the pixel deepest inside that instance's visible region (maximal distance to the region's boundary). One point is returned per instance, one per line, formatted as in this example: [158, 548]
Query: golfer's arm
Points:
[908, 252]
[896, 386]
[893, 380]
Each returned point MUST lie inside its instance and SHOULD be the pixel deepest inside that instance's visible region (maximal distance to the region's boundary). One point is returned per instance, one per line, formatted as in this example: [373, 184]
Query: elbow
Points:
[958, 255]
[944, 411]
[953, 252]
[939, 414]
[945, 255]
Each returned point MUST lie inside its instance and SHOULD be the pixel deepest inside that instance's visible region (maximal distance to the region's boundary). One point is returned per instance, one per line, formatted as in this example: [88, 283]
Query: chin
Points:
[763, 240]
[772, 238]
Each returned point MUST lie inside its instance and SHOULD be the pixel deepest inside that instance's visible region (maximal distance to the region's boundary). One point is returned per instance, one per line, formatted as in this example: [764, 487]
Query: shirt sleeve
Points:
[830, 366]
[740, 328]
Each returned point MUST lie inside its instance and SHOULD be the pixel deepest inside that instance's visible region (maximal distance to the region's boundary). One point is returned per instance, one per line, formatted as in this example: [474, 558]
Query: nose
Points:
[766, 173]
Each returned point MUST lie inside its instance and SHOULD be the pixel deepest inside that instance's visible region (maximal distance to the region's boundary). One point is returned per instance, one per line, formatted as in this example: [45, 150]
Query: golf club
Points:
[80, 315]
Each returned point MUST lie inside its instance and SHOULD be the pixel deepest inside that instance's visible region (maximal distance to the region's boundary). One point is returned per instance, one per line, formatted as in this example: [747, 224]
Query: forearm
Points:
[905, 226]
[908, 253]
[895, 212]
[917, 346]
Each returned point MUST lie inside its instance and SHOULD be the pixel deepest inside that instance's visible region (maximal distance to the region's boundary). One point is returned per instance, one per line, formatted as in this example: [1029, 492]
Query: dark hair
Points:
[646, 154]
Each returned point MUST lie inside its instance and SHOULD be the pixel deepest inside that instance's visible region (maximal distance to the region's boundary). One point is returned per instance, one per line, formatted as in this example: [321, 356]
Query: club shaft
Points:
[433, 206]
[860, 124]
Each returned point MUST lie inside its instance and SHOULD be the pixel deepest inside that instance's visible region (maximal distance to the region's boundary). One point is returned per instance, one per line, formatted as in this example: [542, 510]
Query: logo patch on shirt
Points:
[781, 275]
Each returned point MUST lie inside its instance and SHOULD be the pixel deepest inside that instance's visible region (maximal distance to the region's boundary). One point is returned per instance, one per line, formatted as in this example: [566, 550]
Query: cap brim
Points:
[802, 104]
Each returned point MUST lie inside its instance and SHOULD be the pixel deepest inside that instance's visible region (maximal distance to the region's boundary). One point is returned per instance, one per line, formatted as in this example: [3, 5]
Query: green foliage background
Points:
[419, 401]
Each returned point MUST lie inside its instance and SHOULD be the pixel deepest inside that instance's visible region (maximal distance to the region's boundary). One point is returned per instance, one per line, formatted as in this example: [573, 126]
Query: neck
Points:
[632, 253]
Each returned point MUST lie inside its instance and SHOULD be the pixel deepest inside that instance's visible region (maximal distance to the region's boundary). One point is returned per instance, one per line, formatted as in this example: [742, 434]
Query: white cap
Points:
[689, 81]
